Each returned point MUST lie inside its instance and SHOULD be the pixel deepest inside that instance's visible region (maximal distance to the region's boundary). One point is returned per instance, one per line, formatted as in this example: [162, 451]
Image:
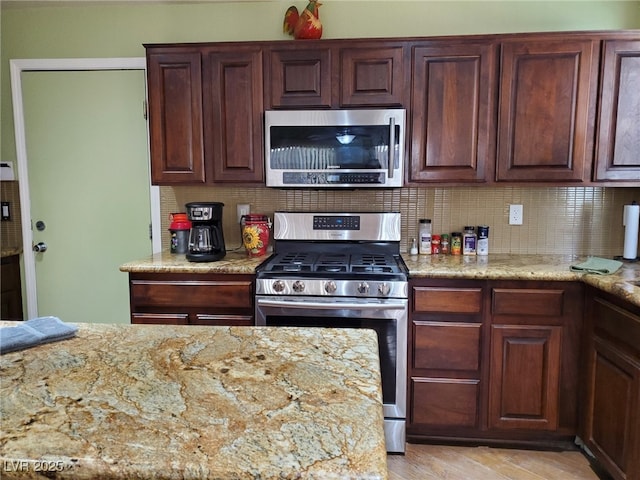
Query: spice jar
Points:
[424, 235]
[456, 243]
[444, 244]
[435, 244]
[469, 241]
[483, 240]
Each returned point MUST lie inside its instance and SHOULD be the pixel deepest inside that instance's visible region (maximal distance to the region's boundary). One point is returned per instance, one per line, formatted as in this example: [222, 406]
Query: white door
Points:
[88, 172]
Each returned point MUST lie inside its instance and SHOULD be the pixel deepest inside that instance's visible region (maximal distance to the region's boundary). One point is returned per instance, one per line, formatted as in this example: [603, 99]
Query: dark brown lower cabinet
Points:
[611, 415]
[11, 284]
[191, 299]
[445, 345]
[525, 377]
[494, 361]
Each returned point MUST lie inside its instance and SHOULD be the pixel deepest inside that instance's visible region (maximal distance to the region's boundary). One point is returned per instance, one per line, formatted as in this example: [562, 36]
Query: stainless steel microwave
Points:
[335, 148]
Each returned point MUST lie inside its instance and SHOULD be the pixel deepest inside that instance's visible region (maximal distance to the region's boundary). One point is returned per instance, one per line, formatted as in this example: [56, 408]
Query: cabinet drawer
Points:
[617, 323]
[194, 294]
[527, 301]
[445, 402]
[448, 300]
[223, 320]
[446, 346]
[160, 318]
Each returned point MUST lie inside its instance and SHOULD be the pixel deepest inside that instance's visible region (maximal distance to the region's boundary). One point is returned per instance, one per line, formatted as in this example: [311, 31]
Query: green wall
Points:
[119, 30]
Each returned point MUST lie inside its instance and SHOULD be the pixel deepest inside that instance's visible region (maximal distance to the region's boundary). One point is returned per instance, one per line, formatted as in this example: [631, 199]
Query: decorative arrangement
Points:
[255, 234]
[305, 26]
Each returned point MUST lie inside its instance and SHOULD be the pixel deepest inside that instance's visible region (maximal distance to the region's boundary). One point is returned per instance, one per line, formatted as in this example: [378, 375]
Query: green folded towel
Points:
[597, 265]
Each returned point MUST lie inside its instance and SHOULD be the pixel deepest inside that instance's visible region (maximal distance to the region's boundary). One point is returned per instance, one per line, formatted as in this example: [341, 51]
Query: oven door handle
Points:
[263, 302]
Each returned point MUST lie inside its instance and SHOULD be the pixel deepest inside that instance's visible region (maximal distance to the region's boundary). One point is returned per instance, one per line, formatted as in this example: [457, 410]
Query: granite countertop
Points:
[234, 262]
[142, 401]
[526, 267]
[492, 267]
[10, 251]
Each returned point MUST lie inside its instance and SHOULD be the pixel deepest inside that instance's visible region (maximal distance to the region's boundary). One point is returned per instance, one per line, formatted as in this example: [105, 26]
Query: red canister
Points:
[255, 234]
[179, 229]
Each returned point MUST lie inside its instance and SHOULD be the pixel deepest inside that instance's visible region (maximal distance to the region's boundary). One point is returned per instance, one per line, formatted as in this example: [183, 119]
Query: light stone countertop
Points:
[165, 262]
[526, 267]
[10, 251]
[189, 402]
[492, 267]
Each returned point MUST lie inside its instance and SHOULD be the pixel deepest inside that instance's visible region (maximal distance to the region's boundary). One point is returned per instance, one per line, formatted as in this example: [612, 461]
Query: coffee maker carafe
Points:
[206, 241]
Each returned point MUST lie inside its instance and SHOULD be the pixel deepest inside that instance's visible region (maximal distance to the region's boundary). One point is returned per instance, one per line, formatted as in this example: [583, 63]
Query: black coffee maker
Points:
[206, 241]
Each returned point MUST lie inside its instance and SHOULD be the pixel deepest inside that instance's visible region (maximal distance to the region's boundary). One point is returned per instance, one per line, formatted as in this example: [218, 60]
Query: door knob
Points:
[40, 247]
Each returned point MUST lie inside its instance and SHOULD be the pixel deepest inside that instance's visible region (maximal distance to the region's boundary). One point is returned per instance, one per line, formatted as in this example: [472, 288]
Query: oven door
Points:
[388, 317]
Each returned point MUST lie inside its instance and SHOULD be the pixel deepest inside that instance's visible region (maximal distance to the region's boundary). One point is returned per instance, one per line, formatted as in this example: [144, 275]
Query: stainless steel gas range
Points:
[343, 270]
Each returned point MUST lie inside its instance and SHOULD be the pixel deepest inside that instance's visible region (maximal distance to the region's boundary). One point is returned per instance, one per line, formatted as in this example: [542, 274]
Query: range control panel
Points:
[340, 222]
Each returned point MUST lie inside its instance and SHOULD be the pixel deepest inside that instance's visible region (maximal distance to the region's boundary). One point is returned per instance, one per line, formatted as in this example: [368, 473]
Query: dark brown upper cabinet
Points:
[175, 117]
[233, 106]
[618, 135]
[205, 113]
[546, 107]
[299, 77]
[373, 76]
[452, 112]
[330, 74]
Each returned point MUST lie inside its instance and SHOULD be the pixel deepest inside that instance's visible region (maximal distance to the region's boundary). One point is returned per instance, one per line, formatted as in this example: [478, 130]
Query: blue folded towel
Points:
[34, 332]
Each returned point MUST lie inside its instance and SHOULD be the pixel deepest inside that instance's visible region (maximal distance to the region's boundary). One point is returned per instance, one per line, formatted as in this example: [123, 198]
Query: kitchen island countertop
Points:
[142, 401]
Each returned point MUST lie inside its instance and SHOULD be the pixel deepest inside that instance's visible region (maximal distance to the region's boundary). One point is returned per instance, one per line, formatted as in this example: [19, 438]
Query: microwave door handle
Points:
[328, 306]
[392, 146]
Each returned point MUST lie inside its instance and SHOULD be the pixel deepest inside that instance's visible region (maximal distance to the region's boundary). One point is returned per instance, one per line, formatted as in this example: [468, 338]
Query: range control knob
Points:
[298, 286]
[278, 286]
[363, 288]
[384, 289]
[330, 287]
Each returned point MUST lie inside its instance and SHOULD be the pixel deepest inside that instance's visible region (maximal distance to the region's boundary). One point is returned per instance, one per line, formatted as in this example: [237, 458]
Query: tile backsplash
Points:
[11, 230]
[559, 220]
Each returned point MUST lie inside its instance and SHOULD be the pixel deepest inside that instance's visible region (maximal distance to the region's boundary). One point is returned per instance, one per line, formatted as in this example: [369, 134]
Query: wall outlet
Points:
[243, 209]
[515, 214]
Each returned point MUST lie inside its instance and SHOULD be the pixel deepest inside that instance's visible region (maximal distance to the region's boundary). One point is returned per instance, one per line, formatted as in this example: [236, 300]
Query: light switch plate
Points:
[6, 211]
[515, 214]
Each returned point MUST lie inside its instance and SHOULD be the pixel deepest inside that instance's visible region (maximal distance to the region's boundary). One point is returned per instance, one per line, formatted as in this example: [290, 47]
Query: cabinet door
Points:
[233, 106]
[175, 118]
[524, 377]
[612, 429]
[11, 286]
[619, 120]
[372, 76]
[611, 422]
[452, 111]
[299, 78]
[546, 106]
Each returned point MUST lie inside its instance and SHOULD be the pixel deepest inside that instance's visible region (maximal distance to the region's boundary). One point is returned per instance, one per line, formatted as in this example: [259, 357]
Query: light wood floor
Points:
[427, 462]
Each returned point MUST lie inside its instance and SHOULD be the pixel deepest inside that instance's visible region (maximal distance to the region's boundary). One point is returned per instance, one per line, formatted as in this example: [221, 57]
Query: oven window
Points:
[387, 341]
